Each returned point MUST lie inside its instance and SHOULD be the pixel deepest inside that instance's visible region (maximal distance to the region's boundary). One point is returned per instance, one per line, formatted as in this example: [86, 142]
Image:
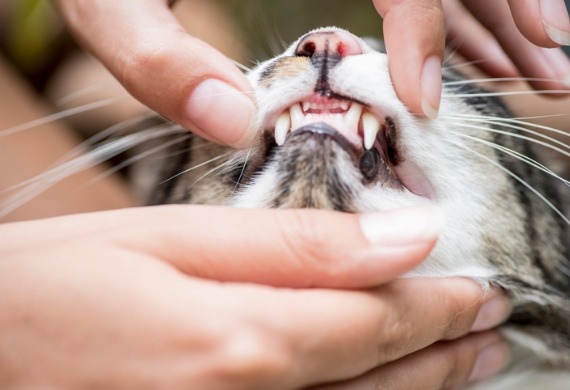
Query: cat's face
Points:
[333, 134]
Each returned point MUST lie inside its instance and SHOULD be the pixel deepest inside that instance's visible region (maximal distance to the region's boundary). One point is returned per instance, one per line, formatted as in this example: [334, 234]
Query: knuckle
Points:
[253, 357]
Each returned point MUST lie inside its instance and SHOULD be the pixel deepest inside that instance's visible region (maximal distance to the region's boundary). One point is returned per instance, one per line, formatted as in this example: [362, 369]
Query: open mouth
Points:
[350, 119]
[365, 136]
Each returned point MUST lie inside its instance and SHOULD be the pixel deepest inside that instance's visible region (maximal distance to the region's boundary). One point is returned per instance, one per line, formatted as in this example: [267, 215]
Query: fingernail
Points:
[494, 311]
[491, 360]
[402, 227]
[431, 86]
[556, 21]
[222, 112]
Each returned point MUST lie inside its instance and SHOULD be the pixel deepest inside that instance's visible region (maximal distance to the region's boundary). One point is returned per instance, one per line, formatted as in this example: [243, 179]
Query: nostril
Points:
[306, 50]
[328, 43]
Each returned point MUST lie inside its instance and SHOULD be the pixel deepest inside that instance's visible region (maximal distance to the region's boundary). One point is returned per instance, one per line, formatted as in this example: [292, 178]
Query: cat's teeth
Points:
[297, 116]
[306, 106]
[344, 105]
[352, 117]
[282, 127]
[371, 126]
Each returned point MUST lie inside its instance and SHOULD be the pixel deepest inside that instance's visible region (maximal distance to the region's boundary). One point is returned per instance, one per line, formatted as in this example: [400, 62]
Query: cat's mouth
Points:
[369, 139]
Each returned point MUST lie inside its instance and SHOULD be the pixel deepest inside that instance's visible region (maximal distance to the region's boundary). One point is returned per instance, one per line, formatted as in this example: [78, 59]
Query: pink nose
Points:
[329, 44]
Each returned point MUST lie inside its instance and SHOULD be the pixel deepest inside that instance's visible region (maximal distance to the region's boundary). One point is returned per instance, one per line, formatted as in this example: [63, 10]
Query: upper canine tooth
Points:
[371, 125]
[352, 117]
[282, 127]
[306, 106]
[296, 116]
[344, 105]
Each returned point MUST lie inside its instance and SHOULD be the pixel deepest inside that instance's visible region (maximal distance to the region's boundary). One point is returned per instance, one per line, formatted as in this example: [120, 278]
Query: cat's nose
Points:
[328, 44]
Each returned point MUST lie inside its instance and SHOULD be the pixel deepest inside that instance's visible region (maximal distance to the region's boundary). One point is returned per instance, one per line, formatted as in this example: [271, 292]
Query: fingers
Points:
[530, 60]
[335, 335]
[415, 51]
[476, 44]
[293, 248]
[442, 366]
[179, 76]
[543, 22]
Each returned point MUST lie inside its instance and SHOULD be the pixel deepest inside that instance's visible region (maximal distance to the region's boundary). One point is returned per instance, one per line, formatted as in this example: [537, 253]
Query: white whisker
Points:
[60, 115]
[137, 158]
[81, 93]
[241, 66]
[47, 179]
[515, 135]
[510, 93]
[516, 177]
[500, 79]
[196, 167]
[516, 155]
[224, 164]
[243, 168]
[502, 121]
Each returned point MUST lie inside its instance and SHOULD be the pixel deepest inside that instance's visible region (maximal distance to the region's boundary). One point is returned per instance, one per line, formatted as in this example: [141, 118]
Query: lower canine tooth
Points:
[371, 126]
[282, 127]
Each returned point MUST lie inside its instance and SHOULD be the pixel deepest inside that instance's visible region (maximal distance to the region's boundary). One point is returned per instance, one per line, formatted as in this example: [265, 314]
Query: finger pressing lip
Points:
[412, 51]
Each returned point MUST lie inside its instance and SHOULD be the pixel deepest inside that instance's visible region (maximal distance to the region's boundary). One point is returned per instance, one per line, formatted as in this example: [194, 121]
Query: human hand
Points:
[495, 34]
[204, 297]
[179, 76]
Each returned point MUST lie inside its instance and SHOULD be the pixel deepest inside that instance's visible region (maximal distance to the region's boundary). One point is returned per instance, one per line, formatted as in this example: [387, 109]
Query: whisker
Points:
[60, 115]
[243, 169]
[519, 120]
[241, 66]
[516, 155]
[79, 93]
[47, 179]
[469, 63]
[222, 165]
[106, 133]
[516, 177]
[514, 135]
[135, 159]
[196, 167]
[509, 93]
[499, 79]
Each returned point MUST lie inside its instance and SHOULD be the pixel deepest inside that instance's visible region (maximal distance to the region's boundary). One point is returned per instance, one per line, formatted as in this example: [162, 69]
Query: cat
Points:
[332, 134]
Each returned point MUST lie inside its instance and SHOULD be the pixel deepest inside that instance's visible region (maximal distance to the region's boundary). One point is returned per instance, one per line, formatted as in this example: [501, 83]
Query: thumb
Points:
[291, 248]
[179, 76]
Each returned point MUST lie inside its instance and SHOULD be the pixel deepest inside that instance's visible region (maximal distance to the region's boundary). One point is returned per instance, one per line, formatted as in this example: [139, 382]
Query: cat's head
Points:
[332, 133]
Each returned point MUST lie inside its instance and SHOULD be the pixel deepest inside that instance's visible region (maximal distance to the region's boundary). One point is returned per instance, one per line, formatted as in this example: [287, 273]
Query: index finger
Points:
[179, 76]
[415, 52]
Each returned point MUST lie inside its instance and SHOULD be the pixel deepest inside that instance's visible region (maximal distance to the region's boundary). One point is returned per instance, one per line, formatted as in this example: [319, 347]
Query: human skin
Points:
[181, 297]
[149, 52]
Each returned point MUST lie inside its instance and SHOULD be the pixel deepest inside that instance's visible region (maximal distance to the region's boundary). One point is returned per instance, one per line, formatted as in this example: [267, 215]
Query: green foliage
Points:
[270, 25]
